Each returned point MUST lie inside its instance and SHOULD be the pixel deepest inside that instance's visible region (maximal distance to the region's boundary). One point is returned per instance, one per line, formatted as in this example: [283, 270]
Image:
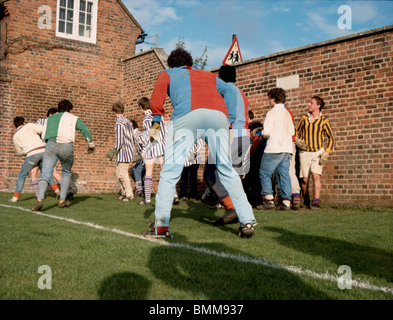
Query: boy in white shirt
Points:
[278, 129]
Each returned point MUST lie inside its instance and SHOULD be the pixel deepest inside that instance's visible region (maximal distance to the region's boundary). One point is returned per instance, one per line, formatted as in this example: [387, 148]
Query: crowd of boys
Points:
[250, 164]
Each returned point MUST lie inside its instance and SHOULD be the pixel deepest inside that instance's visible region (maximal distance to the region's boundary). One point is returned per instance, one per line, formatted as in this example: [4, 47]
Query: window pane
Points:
[62, 3]
[69, 27]
[71, 4]
[89, 7]
[81, 17]
[61, 26]
[88, 32]
[81, 30]
[70, 15]
[82, 6]
[62, 14]
[88, 22]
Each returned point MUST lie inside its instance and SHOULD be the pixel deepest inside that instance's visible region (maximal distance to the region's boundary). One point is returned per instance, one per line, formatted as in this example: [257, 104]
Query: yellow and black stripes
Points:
[315, 132]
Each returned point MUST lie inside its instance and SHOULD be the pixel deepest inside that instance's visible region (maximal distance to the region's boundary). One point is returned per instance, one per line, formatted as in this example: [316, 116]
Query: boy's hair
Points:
[51, 111]
[255, 124]
[180, 57]
[319, 102]
[134, 124]
[250, 115]
[118, 108]
[227, 73]
[144, 103]
[64, 105]
[278, 94]
[18, 121]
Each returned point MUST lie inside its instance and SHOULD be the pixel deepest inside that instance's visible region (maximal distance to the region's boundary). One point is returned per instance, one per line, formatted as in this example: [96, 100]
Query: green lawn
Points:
[293, 255]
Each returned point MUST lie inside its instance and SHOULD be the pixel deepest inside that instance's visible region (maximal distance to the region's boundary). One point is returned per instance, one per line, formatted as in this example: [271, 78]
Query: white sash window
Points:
[77, 20]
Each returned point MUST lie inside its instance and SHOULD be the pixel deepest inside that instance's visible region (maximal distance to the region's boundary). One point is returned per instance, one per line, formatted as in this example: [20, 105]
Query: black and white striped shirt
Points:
[156, 148]
[124, 140]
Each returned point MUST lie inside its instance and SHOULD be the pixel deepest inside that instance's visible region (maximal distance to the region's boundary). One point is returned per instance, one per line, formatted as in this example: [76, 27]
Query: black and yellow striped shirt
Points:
[315, 132]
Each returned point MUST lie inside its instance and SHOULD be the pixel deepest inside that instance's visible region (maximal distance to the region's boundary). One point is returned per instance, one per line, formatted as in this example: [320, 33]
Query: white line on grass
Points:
[238, 257]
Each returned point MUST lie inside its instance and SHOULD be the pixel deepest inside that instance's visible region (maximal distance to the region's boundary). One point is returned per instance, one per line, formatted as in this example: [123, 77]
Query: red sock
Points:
[161, 230]
[16, 194]
[227, 202]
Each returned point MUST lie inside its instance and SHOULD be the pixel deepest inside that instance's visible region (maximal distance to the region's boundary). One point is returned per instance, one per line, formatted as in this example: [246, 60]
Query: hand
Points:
[324, 158]
[154, 132]
[91, 147]
[112, 153]
[137, 158]
[301, 144]
[254, 132]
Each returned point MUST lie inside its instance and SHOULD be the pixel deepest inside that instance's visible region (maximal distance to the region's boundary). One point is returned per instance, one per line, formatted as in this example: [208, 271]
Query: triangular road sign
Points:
[233, 55]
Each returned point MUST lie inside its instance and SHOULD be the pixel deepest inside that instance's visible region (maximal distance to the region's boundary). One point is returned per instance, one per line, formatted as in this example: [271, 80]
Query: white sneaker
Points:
[13, 199]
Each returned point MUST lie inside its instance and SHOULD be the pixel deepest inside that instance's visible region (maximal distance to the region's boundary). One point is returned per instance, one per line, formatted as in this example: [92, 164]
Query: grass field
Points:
[94, 251]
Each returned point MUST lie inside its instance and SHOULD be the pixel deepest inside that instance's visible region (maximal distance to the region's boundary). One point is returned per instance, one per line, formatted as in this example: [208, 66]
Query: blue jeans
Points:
[54, 152]
[29, 163]
[138, 171]
[212, 125]
[280, 162]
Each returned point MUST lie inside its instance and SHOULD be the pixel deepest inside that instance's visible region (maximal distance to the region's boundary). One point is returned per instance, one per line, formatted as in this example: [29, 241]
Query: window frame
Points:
[75, 28]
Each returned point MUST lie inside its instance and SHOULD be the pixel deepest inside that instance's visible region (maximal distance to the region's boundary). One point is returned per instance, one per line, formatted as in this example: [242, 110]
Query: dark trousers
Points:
[189, 173]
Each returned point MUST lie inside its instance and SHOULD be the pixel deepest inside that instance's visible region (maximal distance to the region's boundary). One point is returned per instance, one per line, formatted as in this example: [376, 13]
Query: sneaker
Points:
[128, 199]
[38, 205]
[121, 197]
[176, 201]
[315, 206]
[246, 231]
[216, 206]
[144, 202]
[283, 207]
[70, 195]
[229, 217]
[267, 205]
[152, 234]
[64, 203]
[13, 199]
[296, 206]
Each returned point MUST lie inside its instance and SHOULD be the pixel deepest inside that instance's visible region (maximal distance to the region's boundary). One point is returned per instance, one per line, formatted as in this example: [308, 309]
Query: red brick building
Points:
[42, 63]
[92, 62]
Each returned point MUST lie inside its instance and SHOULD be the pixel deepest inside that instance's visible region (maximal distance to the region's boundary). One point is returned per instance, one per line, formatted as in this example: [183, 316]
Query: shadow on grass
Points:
[362, 259]
[124, 286]
[218, 278]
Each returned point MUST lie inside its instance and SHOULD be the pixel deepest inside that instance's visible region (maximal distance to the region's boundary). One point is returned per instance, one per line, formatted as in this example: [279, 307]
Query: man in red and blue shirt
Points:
[199, 112]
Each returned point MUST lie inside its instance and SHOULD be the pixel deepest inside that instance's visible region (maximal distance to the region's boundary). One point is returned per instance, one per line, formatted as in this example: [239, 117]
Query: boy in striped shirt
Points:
[153, 151]
[313, 129]
[124, 151]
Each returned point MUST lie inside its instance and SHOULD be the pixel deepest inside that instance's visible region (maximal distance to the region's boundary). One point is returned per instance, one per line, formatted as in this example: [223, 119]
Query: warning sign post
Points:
[233, 55]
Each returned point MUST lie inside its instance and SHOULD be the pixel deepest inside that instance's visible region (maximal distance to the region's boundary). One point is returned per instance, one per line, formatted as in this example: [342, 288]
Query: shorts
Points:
[156, 160]
[309, 163]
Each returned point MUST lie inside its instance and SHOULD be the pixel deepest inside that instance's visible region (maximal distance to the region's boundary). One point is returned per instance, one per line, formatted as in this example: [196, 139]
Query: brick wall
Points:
[89, 75]
[354, 75]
